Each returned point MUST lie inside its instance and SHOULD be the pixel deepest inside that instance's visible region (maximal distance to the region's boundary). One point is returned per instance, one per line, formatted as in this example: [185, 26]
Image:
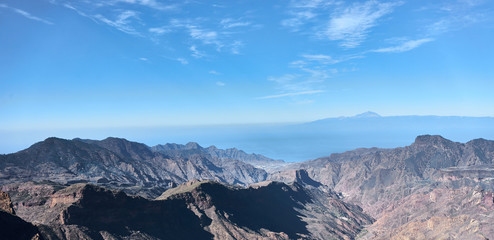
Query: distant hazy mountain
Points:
[311, 140]
[120, 163]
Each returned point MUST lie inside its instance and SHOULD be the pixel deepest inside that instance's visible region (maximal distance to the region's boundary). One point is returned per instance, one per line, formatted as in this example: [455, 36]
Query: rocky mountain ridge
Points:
[120, 164]
[194, 210]
[391, 184]
[257, 160]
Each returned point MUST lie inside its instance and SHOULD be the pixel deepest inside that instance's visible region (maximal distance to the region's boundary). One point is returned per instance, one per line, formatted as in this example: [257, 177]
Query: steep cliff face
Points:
[120, 164]
[13, 227]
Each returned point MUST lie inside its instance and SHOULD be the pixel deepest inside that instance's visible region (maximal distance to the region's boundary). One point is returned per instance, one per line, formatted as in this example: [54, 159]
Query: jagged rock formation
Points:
[6, 203]
[121, 164]
[194, 210]
[388, 183]
[13, 227]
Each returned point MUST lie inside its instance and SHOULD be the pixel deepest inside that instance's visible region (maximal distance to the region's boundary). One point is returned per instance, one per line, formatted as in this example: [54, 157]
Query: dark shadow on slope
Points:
[271, 207]
[117, 213]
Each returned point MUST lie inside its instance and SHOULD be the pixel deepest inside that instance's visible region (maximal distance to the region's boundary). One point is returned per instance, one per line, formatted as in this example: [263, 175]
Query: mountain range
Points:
[70, 189]
[130, 166]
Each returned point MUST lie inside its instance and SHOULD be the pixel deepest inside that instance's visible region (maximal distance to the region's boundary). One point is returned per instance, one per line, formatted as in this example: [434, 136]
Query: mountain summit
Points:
[367, 114]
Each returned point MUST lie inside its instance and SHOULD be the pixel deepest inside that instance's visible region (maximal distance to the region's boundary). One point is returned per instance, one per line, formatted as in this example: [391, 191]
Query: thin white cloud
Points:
[231, 23]
[291, 94]
[147, 3]
[457, 15]
[195, 52]
[183, 61]
[26, 14]
[320, 58]
[235, 47]
[122, 21]
[351, 25]
[205, 36]
[299, 18]
[302, 12]
[143, 59]
[406, 46]
[213, 72]
[312, 3]
[159, 30]
[220, 84]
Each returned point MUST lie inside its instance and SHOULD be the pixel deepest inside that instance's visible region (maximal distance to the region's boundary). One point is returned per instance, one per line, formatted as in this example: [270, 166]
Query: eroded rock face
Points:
[6, 203]
[13, 227]
[394, 186]
[194, 210]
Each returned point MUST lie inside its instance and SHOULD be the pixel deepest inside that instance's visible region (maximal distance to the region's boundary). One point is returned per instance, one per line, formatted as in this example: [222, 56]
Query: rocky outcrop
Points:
[193, 210]
[5, 203]
[13, 227]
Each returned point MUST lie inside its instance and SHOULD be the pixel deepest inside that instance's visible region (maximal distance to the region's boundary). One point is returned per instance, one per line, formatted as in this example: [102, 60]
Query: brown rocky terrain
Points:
[13, 227]
[432, 189]
[194, 210]
[433, 181]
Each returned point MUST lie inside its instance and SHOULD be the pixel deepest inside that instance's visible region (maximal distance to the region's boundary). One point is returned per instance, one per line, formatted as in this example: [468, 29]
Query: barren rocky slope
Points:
[433, 181]
[194, 210]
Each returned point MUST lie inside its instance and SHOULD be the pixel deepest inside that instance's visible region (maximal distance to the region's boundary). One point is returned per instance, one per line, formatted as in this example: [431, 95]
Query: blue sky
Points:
[141, 63]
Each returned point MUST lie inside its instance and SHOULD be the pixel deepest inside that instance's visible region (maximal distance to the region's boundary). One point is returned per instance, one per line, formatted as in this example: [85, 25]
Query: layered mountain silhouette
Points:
[86, 189]
[131, 166]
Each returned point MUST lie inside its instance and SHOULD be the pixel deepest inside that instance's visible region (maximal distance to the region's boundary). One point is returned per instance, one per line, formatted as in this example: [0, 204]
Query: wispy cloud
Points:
[232, 23]
[405, 46]
[457, 15]
[351, 25]
[26, 14]
[320, 58]
[147, 3]
[235, 46]
[122, 21]
[159, 30]
[143, 59]
[213, 72]
[196, 32]
[298, 19]
[291, 94]
[195, 52]
[183, 61]
[220, 84]
[305, 11]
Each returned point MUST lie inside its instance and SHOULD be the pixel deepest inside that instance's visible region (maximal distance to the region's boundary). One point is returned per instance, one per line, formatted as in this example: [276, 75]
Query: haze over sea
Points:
[289, 142]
